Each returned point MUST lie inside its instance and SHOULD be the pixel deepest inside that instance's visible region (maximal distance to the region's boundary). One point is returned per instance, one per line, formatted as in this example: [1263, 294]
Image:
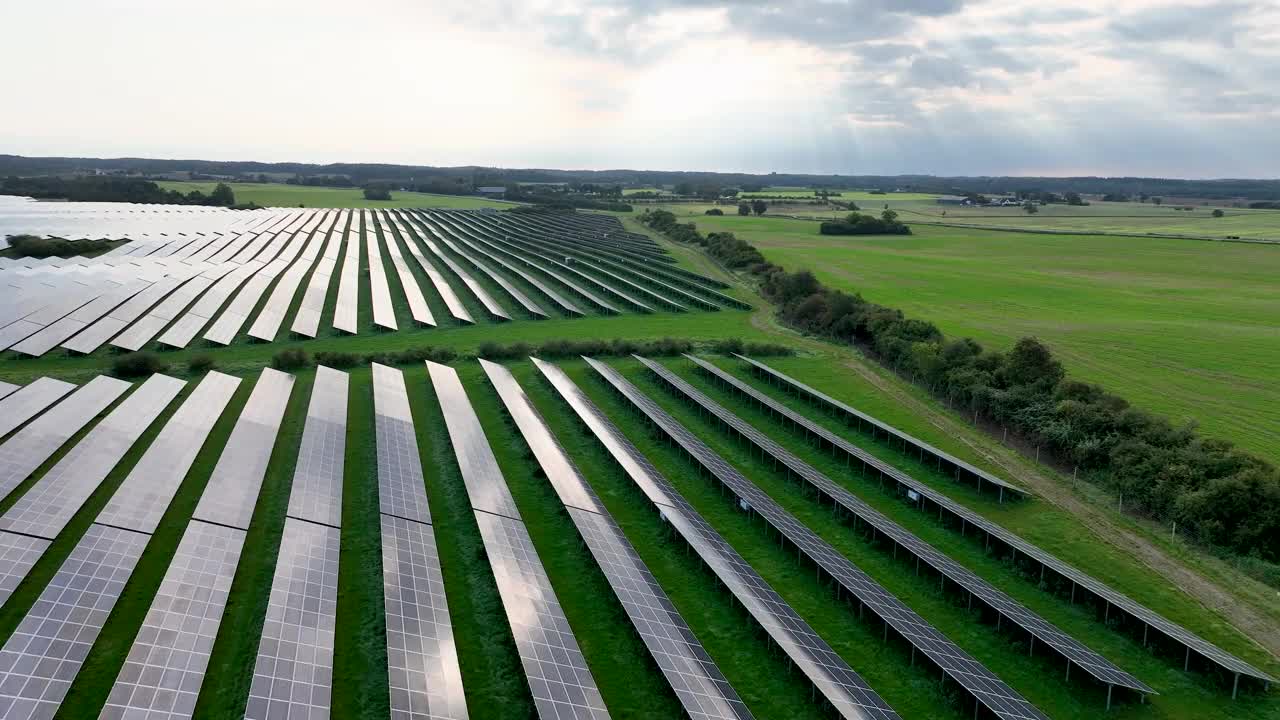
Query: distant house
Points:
[951, 200]
[492, 191]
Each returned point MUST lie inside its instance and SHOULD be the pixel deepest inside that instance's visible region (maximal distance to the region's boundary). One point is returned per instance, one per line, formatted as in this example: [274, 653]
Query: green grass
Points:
[1181, 328]
[281, 195]
[1137, 218]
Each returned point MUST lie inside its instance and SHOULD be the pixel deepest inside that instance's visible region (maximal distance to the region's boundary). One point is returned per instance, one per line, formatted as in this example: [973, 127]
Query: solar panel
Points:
[46, 508]
[401, 487]
[689, 670]
[15, 332]
[232, 492]
[293, 673]
[18, 554]
[165, 667]
[972, 519]
[45, 652]
[980, 682]
[1071, 649]
[485, 485]
[316, 494]
[422, 661]
[344, 316]
[383, 314]
[27, 450]
[831, 677]
[21, 404]
[561, 683]
[140, 501]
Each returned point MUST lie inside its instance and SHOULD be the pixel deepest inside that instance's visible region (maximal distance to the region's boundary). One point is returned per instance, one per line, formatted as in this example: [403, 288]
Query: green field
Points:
[1180, 327]
[281, 195]
[1075, 285]
[1135, 218]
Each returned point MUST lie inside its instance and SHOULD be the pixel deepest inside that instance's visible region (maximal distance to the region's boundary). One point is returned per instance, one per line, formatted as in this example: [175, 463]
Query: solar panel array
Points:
[694, 677]
[383, 314]
[166, 664]
[46, 507]
[408, 283]
[34, 672]
[35, 443]
[1068, 647]
[831, 676]
[165, 667]
[45, 652]
[294, 669]
[924, 449]
[971, 519]
[242, 278]
[557, 673]
[422, 660]
[983, 685]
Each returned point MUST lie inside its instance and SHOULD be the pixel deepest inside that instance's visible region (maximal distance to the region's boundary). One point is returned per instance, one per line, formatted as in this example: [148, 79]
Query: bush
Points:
[200, 364]
[137, 364]
[376, 192]
[290, 359]
[337, 360]
[860, 224]
[37, 247]
[714, 211]
[490, 350]
[413, 356]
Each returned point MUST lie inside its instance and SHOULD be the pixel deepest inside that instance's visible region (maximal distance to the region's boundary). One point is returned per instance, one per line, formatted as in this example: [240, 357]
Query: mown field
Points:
[281, 195]
[1136, 218]
[630, 684]
[1180, 327]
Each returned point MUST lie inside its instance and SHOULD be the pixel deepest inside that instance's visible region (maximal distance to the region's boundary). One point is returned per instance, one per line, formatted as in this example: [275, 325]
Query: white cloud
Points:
[928, 86]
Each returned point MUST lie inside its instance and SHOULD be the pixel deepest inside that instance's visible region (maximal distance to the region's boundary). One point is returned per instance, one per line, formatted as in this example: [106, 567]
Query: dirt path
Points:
[1252, 624]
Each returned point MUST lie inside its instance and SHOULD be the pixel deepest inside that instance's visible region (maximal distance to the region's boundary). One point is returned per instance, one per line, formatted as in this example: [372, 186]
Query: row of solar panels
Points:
[172, 289]
[165, 667]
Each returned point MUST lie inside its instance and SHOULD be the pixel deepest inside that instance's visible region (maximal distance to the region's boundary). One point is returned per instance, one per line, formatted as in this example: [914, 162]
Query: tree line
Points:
[112, 189]
[863, 224]
[361, 173]
[1219, 494]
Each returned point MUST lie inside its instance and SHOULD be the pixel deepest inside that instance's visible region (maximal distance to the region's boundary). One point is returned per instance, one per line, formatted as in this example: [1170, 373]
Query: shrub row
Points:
[38, 247]
[1220, 494]
[297, 358]
[862, 224]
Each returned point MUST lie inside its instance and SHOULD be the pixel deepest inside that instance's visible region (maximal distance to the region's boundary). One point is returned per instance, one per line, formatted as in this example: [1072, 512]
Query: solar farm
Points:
[701, 535]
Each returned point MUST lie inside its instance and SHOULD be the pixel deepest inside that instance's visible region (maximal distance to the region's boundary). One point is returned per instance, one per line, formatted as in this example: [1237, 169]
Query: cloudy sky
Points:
[850, 86]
